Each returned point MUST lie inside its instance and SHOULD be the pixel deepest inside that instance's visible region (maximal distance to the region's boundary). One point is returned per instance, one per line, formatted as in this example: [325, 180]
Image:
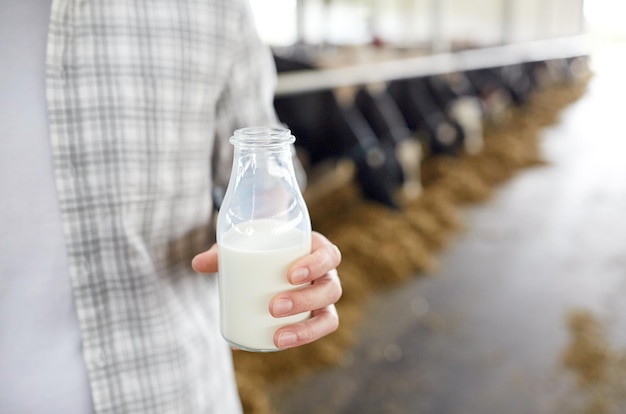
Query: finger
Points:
[324, 257]
[322, 322]
[206, 262]
[323, 292]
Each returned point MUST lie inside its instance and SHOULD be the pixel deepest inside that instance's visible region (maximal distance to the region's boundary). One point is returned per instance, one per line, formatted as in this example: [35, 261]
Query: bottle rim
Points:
[263, 136]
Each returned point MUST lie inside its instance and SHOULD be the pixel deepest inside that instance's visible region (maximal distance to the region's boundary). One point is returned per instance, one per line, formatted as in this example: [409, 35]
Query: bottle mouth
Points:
[263, 136]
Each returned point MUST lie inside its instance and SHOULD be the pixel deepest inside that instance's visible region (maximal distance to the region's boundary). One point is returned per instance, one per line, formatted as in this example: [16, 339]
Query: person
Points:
[115, 118]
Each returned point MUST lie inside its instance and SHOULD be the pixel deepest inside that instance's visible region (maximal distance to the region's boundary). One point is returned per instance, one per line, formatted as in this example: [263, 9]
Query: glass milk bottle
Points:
[263, 227]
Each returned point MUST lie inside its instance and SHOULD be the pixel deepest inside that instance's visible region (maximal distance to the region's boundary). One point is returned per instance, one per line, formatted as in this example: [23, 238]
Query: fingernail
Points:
[282, 307]
[299, 275]
[286, 339]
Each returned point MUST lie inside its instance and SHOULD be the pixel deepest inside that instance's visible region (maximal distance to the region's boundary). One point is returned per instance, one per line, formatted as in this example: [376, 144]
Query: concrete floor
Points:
[485, 333]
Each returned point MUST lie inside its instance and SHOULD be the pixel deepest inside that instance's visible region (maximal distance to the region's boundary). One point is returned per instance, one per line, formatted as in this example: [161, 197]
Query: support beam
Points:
[403, 68]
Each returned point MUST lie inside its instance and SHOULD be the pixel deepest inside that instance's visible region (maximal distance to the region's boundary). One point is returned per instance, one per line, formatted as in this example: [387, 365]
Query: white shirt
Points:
[41, 364]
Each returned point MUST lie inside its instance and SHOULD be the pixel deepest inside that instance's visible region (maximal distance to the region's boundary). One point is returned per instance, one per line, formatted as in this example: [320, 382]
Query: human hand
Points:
[319, 270]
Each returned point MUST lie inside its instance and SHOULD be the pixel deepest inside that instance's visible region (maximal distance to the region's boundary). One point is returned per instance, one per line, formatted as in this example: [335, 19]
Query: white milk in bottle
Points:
[263, 227]
[253, 268]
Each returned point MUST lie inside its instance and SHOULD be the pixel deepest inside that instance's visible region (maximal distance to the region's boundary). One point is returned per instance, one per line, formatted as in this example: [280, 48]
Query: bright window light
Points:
[606, 15]
[276, 21]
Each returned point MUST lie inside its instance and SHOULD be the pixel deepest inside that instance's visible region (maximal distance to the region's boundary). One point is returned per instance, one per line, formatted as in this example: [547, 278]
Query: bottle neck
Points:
[264, 151]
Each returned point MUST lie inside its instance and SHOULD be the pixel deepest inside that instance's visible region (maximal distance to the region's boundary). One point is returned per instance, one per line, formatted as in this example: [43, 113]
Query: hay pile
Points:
[382, 247]
[599, 369]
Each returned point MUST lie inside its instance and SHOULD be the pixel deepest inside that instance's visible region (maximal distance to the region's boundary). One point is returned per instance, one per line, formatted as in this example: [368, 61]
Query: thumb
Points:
[206, 262]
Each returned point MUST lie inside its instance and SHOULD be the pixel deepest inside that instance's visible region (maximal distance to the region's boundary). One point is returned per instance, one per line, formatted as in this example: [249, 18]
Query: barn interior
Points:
[467, 159]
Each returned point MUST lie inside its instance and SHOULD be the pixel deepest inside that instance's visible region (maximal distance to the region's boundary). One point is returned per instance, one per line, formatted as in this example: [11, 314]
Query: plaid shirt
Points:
[142, 97]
